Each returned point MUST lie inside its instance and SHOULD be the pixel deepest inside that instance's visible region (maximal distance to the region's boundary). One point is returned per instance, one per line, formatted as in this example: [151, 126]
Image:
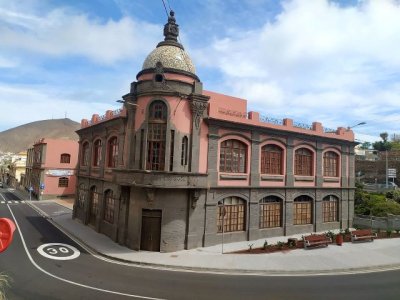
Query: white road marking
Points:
[58, 251]
[3, 202]
[66, 280]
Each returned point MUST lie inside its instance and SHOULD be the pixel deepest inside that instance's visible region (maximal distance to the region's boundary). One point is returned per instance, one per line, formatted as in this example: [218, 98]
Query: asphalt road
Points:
[35, 276]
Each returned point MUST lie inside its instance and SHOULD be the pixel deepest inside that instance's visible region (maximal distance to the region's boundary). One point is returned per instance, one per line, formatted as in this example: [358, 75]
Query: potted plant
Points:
[339, 238]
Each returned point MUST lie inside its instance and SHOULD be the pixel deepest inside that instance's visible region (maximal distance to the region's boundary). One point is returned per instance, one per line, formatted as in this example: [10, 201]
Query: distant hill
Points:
[22, 137]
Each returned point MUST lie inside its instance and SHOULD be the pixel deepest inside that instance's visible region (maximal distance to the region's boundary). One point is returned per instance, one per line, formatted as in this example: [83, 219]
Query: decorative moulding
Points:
[272, 177]
[331, 179]
[232, 177]
[304, 178]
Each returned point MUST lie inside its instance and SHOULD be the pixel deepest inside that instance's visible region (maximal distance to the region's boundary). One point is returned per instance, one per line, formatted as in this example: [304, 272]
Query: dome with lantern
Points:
[170, 53]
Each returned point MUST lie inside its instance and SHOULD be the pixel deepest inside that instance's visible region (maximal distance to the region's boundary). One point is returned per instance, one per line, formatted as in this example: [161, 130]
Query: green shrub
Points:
[265, 246]
[330, 234]
[4, 283]
[280, 245]
[389, 195]
[378, 205]
[396, 196]
[292, 243]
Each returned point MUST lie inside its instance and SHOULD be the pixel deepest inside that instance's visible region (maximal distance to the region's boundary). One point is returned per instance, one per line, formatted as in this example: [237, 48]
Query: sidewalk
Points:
[349, 258]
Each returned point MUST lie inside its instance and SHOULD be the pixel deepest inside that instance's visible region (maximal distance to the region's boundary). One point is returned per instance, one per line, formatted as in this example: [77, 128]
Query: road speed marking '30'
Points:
[58, 251]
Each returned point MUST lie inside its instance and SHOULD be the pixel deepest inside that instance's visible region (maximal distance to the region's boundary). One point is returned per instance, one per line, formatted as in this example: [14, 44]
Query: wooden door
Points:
[151, 230]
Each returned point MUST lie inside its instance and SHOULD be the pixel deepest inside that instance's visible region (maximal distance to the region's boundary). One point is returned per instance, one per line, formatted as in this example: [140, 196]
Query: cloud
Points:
[32, 103]
[63, 32]
[317, 60]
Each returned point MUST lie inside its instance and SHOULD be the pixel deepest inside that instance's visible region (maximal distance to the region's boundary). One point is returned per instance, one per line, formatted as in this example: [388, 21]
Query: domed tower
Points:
[166, 106]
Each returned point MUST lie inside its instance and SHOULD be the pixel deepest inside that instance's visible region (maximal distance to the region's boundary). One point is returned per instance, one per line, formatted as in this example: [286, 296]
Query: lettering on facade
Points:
[60, 172]
[231, 112]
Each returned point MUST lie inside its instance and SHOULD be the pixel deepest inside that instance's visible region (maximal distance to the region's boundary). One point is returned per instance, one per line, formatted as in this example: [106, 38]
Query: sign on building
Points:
[60, 172]
[391, 173]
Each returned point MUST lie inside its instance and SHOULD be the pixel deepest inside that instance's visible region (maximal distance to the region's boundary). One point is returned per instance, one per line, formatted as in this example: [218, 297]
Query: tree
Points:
[365, 145]
[383, 145]
[384, 136]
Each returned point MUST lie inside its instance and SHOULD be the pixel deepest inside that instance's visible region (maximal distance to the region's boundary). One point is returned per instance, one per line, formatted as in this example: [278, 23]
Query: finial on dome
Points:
[171, 29]
[171, 32]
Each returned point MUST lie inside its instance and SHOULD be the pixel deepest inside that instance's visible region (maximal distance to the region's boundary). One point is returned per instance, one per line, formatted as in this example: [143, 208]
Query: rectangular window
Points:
[233, 219]
[156, 147]
[65, 158]
[171, 158]
[109, 209]
[329, 209]
[302, 213]
[63, 182]
[270, 215]
[141, 149]
[303, 165]
[330, 167]
[184, 152]
[82, 192]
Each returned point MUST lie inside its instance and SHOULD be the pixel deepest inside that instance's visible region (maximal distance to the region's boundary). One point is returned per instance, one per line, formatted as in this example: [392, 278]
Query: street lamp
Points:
[125, 102]
[359, 124]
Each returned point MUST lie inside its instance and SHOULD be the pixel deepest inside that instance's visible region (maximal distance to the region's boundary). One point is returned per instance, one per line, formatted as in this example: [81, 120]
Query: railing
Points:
[117, 112]
[329, 130]
[271, 120]
[390, 222]
[110, 114]
[302, 125]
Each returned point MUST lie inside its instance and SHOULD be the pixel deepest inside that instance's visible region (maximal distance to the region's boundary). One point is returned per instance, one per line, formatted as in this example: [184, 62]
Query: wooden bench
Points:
[362, 235]
[316, 240]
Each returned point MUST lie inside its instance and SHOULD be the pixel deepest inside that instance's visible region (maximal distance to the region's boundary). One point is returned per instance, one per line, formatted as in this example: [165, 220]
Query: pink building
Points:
[51, 168]
[179, 167]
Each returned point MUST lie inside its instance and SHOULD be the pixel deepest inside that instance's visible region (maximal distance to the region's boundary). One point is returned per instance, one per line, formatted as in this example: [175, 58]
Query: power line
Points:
[169, 5]
[166, 11]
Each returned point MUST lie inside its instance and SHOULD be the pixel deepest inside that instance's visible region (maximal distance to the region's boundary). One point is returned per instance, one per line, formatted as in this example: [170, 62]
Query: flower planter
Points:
[339, 240]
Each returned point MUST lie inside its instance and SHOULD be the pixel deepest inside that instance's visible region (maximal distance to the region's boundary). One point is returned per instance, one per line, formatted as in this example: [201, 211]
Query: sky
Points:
[332, 61]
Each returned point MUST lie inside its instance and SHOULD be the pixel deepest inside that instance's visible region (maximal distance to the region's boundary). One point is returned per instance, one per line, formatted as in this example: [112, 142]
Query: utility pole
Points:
[387, 178]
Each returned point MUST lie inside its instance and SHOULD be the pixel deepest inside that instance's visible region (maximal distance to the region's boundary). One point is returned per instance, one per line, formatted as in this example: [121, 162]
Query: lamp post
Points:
[359, 124]
[127, 103]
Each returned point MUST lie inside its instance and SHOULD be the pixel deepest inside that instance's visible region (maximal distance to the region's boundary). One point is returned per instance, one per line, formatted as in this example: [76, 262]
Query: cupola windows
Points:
[156, 136]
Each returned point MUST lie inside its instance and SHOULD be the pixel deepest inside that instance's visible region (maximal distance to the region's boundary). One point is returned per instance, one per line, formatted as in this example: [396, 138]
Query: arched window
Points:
[330, 208]
[63, 182]
[97, 153]
[271, 160]
[233, 157]
[65, 158]
[184, 153]
[331, 164]
[270, 212]
[94, 205]
[82, 192]
[112, 151]
[85, 154]
[303, 162]
[302, 210]
[109, 206]
[156, 136]
[231, 214]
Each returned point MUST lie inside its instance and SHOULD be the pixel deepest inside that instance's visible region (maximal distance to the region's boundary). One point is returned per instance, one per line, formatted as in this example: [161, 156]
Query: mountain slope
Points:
[23, 137]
